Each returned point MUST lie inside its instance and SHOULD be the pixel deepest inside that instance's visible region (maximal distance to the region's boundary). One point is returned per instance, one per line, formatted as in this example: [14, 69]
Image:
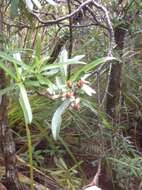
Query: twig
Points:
[95, 181]
[71, 37]
[109, 25]
[51, 22]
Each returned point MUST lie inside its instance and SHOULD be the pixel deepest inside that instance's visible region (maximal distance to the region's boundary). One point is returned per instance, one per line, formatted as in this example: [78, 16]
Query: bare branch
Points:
[109, 25]
[50, 22]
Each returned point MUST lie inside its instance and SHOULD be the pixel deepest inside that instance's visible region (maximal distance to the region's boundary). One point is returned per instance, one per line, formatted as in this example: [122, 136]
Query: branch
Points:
[109, 25]
[51, 22]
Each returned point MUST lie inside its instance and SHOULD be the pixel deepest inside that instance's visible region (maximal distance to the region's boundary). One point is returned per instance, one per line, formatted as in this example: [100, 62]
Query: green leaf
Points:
[7, 90]
[8, 71]
[89, 105]
[64, 60]
[62, 163]
[57, 118]
[11, 59]
[90, 66]
[25, 105]
[38, 46]
[32, 83]
[60, 65]
[106, 123]
[50, 72]
[60, 83]
[76, 60]
[44, 80]
[63, 56]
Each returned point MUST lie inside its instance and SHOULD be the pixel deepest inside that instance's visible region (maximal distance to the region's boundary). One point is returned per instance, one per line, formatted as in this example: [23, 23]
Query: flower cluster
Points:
[70, 91]
[72, 94]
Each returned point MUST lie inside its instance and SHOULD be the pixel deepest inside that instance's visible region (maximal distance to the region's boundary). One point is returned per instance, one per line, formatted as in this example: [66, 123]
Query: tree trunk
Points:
[6, 139]
[114, 87]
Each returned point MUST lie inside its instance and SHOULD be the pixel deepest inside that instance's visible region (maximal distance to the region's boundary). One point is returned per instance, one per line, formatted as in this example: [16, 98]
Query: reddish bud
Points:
[69, 83]
[80, 83]
[69, 94]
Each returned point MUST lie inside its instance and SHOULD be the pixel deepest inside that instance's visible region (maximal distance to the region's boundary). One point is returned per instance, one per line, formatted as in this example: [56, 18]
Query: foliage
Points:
[57, 110]
[66, 176]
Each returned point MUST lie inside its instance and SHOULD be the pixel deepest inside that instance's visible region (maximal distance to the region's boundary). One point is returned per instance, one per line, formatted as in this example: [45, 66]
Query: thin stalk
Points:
[30, 155]
[71, 36]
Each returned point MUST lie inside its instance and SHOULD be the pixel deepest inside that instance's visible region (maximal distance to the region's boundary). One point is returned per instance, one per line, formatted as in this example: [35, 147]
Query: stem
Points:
[71, 37]
[30, 155]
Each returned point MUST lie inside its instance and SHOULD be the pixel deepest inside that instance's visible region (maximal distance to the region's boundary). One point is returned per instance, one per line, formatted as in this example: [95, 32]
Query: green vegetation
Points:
[70, 94]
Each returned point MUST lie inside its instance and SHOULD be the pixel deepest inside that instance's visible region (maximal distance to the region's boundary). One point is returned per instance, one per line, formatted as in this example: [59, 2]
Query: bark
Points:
[6, 139]
[114, 86]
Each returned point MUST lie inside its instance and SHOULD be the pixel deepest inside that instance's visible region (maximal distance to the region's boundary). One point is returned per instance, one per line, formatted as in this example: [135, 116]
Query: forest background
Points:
[70, 94]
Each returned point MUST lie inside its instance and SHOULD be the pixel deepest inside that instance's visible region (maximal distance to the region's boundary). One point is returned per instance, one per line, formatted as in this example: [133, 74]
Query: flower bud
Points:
[80, 83]
[69, 83]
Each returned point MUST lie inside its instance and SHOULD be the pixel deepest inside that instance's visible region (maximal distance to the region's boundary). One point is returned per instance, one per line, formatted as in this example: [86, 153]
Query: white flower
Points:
[72, 99]
[83, 84]
[75, 103]
[85, 76]
[88, 90]
[77, 100]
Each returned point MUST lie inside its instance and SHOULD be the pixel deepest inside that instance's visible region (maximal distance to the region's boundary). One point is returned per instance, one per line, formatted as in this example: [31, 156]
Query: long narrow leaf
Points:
[7, 90]
[55, 66]
[7, 70]
[24, 102]
[57, 118]
[11, 59]
[91, 66]
[38, 47]
[88, 104]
